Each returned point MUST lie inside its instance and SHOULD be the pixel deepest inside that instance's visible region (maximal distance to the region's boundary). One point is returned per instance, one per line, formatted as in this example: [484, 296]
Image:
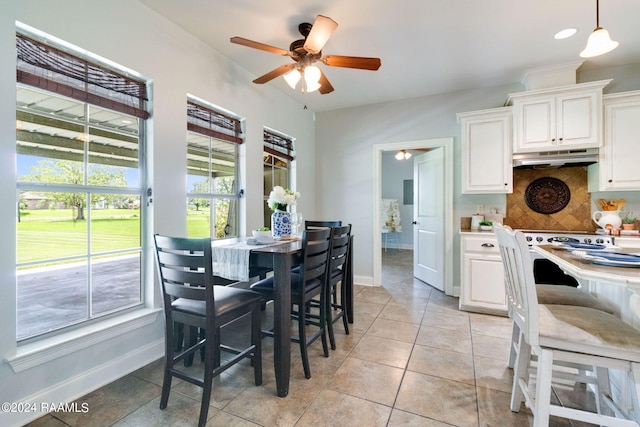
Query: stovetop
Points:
[545, 237]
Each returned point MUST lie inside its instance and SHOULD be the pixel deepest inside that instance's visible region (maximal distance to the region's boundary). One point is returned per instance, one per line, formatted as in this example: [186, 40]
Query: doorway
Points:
[447, 184]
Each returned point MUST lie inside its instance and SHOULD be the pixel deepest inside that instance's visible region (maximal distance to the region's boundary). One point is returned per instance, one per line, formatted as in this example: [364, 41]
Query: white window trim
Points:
[45, 350]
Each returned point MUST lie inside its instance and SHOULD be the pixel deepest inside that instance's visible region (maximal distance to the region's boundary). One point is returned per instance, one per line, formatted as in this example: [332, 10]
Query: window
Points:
[79, 151]
[213, 138]
[276, 157]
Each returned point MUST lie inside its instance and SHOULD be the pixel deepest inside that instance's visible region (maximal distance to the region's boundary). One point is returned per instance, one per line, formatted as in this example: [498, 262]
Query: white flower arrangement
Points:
[280, 197]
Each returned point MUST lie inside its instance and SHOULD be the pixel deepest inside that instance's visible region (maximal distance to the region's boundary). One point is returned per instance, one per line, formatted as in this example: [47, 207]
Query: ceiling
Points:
[426, 47]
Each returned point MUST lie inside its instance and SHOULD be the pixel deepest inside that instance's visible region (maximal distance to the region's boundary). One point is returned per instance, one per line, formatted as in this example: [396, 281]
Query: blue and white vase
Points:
[280, 223]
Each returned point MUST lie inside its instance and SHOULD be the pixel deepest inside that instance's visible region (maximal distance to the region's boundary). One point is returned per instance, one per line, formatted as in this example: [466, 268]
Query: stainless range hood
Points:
[554, 159]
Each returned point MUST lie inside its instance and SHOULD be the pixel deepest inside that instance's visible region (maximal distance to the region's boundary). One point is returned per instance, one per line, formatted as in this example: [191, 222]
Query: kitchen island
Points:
[619, 285]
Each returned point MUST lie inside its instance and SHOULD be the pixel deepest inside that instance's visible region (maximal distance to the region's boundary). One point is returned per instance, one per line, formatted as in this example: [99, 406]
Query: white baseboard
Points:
[85, 383]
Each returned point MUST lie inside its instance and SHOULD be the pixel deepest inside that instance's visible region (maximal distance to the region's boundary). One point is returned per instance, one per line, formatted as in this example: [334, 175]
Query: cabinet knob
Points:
[610, 180]
[488, 245]
[553, 140]
[506, 183]
[560, 139]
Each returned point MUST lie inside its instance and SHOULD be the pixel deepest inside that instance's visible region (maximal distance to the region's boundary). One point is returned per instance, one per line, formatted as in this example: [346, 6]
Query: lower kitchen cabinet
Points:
[482, 289]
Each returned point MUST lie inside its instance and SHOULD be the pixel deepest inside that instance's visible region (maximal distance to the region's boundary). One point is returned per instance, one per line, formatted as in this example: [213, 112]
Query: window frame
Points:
[281, 146]
[220, 126]
[89, 102]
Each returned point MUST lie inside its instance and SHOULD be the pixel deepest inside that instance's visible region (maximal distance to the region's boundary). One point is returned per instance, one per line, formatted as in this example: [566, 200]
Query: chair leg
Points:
[543, 388]
[635, 375]
[520, 372]
[325, 316]
[209, 366]
[256, 340]
[190, 338]
[329, 323]
[168, 364]
[178, 333]
[603, 389]
[302, 336]
[343, 306]
[515, 333]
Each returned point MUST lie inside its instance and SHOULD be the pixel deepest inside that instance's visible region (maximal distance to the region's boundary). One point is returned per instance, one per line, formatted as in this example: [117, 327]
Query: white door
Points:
[428, 213]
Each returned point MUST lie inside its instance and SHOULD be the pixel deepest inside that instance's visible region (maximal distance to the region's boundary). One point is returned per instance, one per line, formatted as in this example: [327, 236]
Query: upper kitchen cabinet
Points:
[486, 151]
[561, 118]
[617, 168]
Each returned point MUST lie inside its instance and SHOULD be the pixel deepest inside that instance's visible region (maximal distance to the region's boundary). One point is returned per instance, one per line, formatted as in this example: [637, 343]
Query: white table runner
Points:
[231, 261]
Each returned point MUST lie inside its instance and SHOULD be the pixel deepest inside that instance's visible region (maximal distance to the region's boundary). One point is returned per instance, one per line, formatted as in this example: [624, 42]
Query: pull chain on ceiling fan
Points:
[305, 52]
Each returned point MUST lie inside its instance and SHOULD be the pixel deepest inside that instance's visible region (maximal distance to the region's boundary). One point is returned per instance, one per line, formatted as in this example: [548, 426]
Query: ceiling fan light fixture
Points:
[402, 155]
[292, 78]
[312, 76]
[599, 41]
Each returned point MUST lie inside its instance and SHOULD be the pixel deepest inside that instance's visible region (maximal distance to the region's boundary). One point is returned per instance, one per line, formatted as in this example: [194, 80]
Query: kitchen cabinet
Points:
[564, 118]
[487, 166]
[482, 278]
[617, 168]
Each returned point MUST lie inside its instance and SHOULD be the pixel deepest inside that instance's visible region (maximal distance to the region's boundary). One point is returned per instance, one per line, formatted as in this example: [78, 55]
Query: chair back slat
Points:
[309, 225]
[519, 280]
[316, 246]
[189, 259]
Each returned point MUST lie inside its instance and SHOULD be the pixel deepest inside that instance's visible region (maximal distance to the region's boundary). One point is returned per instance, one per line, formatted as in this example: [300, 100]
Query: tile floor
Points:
[412, 359]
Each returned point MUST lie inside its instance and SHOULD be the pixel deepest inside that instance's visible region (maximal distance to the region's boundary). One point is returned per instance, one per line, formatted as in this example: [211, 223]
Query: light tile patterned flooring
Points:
[412, 359]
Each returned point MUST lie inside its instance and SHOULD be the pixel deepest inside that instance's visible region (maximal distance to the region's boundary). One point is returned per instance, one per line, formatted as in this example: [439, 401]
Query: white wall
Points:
[344, 163]
[128, 33]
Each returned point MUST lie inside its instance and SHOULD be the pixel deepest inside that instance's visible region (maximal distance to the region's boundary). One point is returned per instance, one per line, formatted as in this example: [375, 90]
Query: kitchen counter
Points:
[474, 231]
[583, 269]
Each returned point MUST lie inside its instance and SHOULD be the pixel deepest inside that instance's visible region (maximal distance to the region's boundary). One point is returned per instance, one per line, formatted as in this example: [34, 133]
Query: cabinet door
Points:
[482, 278]
[483, 288]
[535, 124]
[618, 163]
[577, 121]
[486, 153]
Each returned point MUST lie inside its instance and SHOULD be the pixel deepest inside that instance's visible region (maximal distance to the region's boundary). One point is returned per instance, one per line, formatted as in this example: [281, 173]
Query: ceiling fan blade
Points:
[325, 86]
[358, 62]
[257, 45]
[321, 30]
[274, 73]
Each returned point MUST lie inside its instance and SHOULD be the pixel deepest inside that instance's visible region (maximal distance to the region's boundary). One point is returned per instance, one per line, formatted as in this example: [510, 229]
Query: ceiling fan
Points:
[305, 52]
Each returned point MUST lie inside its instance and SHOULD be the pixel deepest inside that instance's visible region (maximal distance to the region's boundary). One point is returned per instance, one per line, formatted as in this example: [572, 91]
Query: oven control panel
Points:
[543, 238]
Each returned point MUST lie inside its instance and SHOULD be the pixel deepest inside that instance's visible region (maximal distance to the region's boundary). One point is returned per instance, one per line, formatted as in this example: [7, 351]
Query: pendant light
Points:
[599, 41]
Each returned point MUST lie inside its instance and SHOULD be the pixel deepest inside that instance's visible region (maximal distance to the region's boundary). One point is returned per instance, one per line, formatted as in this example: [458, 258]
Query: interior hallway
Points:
[412, 359]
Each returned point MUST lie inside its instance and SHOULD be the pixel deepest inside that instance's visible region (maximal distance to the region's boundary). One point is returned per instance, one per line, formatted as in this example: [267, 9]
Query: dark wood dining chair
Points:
[308, 281]
[336, 309]
[192, 301]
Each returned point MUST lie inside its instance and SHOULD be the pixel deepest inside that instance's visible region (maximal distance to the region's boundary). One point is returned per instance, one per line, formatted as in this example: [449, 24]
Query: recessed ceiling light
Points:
[565, 34]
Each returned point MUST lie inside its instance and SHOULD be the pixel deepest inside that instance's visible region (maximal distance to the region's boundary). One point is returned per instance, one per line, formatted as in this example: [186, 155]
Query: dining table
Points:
[279, 258]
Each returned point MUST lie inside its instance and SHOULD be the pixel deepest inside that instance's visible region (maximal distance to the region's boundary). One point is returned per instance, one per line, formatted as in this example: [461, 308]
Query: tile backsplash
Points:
[576, 216]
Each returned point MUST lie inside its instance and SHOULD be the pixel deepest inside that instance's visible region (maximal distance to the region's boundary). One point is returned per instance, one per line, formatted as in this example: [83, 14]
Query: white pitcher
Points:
[605, 218]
